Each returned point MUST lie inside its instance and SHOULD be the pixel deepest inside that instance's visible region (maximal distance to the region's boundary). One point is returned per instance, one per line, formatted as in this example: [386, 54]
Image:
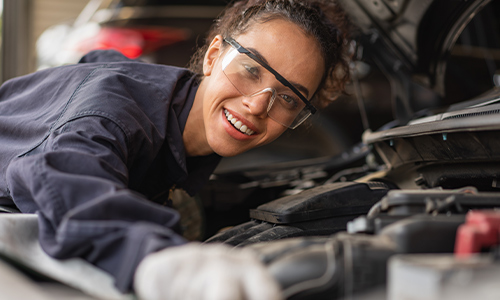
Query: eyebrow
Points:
[295, 84]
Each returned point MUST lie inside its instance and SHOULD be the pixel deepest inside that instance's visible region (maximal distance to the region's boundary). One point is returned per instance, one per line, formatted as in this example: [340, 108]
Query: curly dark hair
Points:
[322, 19]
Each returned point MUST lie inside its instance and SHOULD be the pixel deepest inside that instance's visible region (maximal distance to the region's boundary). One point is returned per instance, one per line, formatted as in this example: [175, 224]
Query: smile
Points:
[238, 124]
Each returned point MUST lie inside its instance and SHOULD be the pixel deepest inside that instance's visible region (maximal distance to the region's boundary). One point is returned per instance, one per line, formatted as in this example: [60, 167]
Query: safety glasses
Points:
[251, 77]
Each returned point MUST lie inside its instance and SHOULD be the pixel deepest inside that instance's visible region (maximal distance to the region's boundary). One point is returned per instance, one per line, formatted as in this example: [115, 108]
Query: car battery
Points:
[443, 277]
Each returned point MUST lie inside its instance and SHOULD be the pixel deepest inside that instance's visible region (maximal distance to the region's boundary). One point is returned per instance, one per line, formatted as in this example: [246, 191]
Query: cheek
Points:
[212, 99]
[217, 90]
[274, 131]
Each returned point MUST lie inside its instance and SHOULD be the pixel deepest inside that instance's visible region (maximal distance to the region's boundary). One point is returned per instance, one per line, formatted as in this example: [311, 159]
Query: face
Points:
[289, 51]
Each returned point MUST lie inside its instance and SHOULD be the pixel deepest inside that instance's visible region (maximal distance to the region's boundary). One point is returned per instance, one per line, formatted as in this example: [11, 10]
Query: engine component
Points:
[322, 210]
[481, 231]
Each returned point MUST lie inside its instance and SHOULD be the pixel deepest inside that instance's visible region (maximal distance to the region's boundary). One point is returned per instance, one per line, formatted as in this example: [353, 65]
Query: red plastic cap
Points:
[480, 230]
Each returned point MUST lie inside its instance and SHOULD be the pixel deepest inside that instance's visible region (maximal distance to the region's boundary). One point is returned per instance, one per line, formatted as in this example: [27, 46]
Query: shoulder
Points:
[110, 68]
[137, 96]
[99, 56]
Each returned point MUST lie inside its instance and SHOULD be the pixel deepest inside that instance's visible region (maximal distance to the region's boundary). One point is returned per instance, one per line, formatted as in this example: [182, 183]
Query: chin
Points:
[228, 152]
[221, 147]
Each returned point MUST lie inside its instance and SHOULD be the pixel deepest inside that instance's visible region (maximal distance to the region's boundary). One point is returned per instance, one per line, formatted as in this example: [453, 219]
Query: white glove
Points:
[209, 272]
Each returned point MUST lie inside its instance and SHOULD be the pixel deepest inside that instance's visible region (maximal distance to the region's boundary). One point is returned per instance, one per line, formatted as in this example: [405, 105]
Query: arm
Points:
[78, 186]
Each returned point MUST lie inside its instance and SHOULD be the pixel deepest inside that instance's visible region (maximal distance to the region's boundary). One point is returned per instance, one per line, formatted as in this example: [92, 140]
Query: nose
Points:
[258, 103]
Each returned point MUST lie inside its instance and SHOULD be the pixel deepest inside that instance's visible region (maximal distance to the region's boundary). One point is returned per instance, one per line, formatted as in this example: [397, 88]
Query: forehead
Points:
[287, 49]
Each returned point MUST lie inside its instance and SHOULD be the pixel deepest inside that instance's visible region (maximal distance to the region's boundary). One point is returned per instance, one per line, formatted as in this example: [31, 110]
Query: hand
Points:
[208, 272]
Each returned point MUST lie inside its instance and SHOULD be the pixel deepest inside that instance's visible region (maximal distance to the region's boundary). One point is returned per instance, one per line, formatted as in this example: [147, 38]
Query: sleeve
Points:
[78, 187]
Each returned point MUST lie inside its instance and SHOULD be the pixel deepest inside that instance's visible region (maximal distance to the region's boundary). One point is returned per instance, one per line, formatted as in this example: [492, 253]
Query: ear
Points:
[213, 52]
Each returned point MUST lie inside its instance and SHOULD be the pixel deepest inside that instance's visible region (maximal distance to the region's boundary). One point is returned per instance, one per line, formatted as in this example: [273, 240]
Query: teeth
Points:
[238, 124]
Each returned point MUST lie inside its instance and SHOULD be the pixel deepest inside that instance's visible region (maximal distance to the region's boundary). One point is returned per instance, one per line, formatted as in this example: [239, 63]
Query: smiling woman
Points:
[85, 146]
[291, 42]
[217, 93]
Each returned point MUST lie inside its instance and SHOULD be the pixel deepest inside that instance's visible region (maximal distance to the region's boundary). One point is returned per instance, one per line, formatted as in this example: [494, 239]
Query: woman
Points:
[84, 146]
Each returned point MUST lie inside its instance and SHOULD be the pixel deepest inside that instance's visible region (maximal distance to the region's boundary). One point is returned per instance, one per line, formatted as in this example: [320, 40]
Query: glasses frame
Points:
[277, 75]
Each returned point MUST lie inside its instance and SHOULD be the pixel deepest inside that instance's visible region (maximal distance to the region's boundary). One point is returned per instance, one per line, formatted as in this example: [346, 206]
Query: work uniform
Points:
[90, 148]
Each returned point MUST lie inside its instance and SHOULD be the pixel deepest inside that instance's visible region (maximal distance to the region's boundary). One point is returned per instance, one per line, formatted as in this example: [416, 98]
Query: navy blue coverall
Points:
[87, 146]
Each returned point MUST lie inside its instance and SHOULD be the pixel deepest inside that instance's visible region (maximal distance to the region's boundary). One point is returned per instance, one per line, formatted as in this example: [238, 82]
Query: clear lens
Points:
[250, 78]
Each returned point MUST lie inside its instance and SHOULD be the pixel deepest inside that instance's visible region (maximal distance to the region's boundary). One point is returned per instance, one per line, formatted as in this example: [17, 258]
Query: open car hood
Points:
[441, 59]
[414, 42]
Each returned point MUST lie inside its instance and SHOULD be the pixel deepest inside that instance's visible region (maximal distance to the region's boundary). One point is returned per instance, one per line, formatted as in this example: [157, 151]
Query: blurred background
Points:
[25, 22]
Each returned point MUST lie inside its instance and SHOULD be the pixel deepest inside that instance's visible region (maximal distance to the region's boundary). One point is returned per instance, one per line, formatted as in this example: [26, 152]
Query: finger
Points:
[191, 278]
[225, 282]
[161, 275]
[150, 276]
[197, 283]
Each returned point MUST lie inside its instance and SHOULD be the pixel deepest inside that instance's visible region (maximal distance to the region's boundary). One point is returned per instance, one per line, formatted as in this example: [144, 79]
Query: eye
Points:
[252, 71]
[289, 102]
